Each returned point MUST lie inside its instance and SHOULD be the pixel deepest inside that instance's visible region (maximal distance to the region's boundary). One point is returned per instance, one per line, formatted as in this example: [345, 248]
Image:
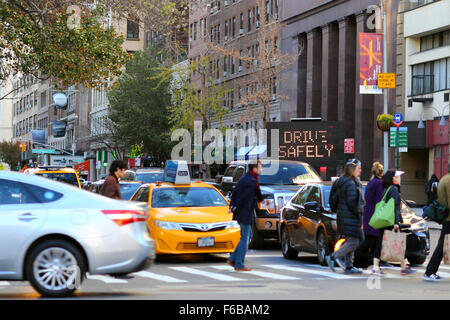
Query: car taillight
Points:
[124, 217]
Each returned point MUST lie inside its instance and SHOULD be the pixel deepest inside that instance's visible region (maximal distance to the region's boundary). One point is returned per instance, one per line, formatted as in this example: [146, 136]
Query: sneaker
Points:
[378, 273]
[330, 262]
[433, 277]
[407, 271]
[340, 263]
[353, 270]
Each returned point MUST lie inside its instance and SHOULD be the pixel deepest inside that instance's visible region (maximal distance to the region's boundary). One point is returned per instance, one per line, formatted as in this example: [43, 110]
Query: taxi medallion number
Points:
[205, 242]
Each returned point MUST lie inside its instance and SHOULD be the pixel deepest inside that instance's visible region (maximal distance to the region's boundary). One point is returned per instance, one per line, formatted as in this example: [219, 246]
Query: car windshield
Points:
[149, 177]
[187, 197]
[69, 178]
[290, 174]
[128, 189]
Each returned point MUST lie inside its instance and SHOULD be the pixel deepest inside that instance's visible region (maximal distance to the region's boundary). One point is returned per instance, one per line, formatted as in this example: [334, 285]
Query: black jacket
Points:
[394, 192]
[350, 207]
[243, 199]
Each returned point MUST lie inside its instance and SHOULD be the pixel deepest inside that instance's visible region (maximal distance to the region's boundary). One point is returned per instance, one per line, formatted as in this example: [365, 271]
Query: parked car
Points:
[58, 173]
[127, 188]
[145, 175]
[307, 224]
[60, 232]
[276, 189]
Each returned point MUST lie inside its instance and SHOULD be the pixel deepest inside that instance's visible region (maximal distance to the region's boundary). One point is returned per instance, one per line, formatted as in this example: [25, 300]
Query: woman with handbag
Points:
[391, 183]
[373, 195]
[348, 217]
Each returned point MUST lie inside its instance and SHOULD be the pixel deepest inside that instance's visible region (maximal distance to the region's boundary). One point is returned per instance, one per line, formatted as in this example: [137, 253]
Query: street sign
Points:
[386, 80]
[403, 137]
[402, 149]
[349, 146]
[393, 137]
[398, 119]
[44, 151]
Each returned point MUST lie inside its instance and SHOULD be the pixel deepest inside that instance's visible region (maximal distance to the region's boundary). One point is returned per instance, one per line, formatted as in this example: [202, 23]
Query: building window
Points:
[249, 20]
[132, 29]
[433, 41]
[430, 77]
[233, 31]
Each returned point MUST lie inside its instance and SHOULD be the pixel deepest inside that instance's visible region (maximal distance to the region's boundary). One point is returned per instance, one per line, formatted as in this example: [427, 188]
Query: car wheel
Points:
[286, 249]
[418, 260]
[256, 239]
[55, 268]
[323, 249]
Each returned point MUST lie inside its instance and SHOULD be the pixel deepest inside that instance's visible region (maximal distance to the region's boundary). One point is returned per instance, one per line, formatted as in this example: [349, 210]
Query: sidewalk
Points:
[431, 225]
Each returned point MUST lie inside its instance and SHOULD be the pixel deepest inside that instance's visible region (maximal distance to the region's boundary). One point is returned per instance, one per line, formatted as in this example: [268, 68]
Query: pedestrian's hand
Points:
[396, 227]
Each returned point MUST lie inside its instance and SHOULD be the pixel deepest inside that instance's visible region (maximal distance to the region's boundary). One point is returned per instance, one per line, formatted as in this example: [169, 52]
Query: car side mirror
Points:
[311, 205]
[219, 178]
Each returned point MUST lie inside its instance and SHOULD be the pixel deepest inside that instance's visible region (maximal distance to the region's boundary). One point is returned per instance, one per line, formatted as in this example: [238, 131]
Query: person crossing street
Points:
[242, 206]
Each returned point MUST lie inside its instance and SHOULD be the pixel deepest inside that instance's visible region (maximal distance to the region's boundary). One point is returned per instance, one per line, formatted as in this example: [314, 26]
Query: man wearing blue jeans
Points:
[242, 206]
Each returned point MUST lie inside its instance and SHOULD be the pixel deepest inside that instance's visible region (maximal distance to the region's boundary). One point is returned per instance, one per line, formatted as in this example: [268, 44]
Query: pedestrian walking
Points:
[431, 189]
[392, 178]
[242, 205]
[111, 187]
[348, 217]
[443, 197]
[373, 195]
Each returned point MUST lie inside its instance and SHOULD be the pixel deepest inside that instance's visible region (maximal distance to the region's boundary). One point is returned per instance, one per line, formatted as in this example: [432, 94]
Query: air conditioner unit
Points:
[274, 98]
[225, 3]
[257, 24]
[255, 62]
[225, 73]
[212, 10]
[241, 68]
[226, 38]
[241, 32]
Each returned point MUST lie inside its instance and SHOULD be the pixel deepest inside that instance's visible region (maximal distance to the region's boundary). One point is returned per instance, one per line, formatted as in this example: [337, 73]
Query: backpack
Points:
[334, 197]
[437, 213]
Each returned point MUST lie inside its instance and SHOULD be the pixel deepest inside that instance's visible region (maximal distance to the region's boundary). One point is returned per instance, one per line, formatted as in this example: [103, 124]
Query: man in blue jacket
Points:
[242, 206]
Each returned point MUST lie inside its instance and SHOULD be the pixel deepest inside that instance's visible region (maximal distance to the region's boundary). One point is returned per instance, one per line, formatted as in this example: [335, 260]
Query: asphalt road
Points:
[208, 277]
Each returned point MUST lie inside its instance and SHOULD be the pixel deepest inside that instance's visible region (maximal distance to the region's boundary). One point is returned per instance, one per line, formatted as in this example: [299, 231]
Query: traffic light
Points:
[22, 147]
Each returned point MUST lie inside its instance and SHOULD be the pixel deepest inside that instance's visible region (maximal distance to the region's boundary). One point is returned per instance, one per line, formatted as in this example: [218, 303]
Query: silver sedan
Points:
[51, 234]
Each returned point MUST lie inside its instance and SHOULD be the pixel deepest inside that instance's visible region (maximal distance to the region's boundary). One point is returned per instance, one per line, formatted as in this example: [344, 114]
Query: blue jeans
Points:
[238, 255]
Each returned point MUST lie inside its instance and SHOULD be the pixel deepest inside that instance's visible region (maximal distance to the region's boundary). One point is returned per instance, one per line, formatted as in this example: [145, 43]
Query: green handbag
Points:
[384, 215]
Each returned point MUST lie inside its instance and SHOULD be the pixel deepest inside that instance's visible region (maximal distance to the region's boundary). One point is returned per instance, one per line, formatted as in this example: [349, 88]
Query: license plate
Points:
[205, 242]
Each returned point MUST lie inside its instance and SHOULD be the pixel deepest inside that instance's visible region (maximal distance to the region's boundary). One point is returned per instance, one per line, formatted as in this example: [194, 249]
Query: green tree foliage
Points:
[9, 153]
[139, 107]
[35, 39]
[189, 103]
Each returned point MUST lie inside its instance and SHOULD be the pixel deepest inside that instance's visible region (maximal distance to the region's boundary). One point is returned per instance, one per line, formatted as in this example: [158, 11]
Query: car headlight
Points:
[232, 224]
[418, 226]
[167, 225]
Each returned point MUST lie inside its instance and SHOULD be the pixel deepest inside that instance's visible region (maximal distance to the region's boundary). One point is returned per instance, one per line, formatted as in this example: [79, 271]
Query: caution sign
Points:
[386, 80]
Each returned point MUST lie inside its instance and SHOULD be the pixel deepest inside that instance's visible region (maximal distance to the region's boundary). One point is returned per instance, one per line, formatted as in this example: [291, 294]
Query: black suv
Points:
[277, 188]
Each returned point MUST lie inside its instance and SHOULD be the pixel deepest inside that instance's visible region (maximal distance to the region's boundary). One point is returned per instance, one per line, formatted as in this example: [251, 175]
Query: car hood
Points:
[269, 189]
[191, 214]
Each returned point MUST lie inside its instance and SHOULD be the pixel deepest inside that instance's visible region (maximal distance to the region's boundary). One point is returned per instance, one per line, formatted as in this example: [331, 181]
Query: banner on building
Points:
[371, 62]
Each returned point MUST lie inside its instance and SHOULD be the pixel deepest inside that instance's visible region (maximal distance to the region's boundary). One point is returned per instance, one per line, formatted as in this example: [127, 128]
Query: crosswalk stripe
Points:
[4, 283]
[386, 275]
[105, 279]
[260, 273]
[304, 270]
[151, 275]
[207, 274]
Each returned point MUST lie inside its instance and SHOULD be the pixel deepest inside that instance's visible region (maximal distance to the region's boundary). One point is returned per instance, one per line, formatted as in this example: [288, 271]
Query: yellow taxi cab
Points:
[188, 217]
[58, 173]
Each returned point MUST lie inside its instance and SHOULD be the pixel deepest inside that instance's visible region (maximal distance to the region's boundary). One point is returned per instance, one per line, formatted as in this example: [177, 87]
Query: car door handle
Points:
[27, 217]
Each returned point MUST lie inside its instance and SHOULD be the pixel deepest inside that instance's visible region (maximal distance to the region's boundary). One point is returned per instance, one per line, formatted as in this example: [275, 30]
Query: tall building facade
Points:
[324, 81]
[424, 74]
[231, 25]
[6, 110]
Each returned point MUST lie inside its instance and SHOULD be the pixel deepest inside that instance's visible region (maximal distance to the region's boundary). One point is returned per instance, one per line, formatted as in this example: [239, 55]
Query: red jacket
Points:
[111, 188]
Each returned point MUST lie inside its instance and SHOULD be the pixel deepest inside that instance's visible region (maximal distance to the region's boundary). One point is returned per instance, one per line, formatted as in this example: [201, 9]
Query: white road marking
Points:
[260, 273]
[105, 279]
[212, 275]
[304, 270]
[4, 283]
[151, 275]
